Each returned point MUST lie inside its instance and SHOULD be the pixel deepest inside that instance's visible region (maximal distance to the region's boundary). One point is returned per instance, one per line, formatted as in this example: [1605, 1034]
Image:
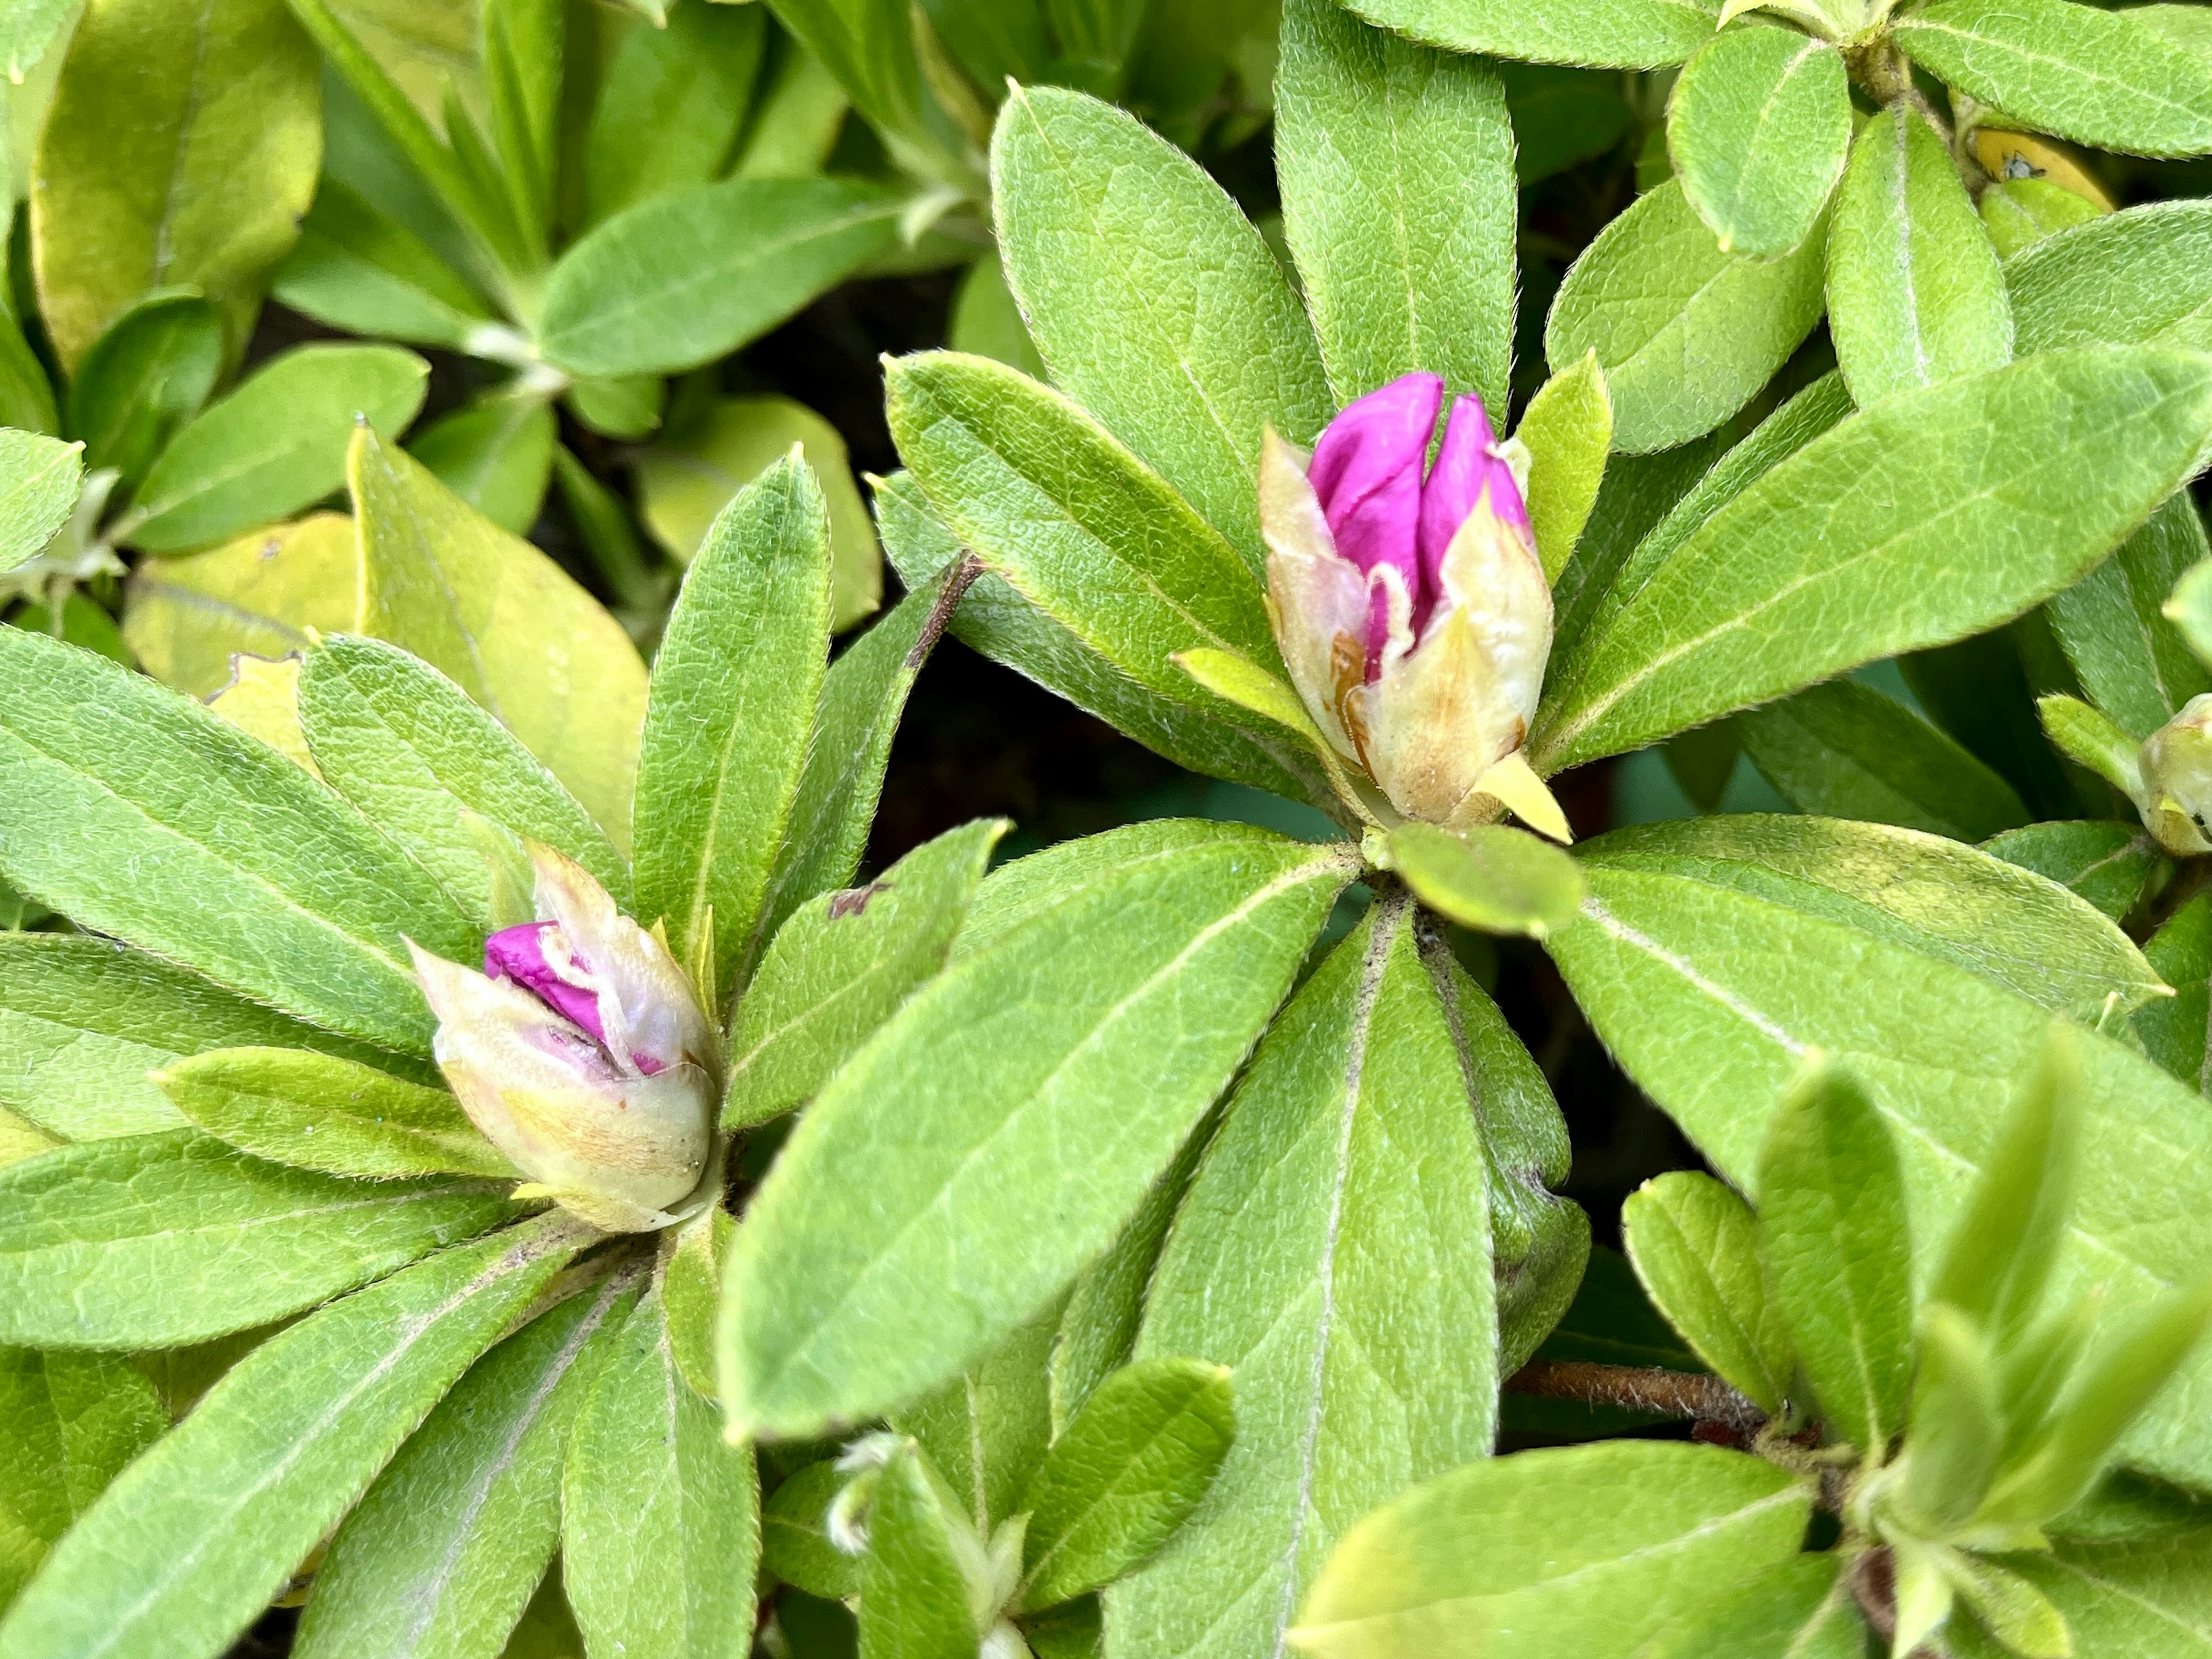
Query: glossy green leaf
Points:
[2177, 1031]
[1152, 299]
[2098, 77]
[190, 1543]
[1608, 33]
[1009, 1118]
[130, 1244]
[504, 623]
[84, 1023]
[1489, 877]
[685, 481]
[69, 1424]
[2131, 660]
[1695, 1246]
[915, 1596]
[39, 479]
[1757, 127]
[197, 175]
[733, 691]
[842, 964]
[318, 1112]
[1940, 512]
[212, 850]
[1833, 1232]
[2134, 278]
[1801, 1607]
[669, 105]
[690, 274]
[660, 1529]
[441, 1556]
[1597, 1546]
[795, 1546]
[1344, 1196]
[1915, 295]
[1845, 750]
[143, 378]
[1709, 981]
[1398, 198]
[497, 454]
[1686, 333]
[862, 697]
[275, 444]
[985, 1430]
[357, 268]
[1568, 429]
[1126, 1474]
[2108, 864]
[401, 742]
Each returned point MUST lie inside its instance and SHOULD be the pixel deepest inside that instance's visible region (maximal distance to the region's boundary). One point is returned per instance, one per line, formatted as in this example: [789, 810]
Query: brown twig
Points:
[1641, 1388]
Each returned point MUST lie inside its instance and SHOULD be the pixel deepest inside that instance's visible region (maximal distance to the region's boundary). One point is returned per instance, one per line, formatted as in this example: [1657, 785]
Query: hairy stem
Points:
[1638, 1388]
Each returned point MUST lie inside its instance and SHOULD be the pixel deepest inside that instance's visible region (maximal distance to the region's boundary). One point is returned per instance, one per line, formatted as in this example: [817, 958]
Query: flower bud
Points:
[1408, 601]
[582, 1054]
[2176, 773]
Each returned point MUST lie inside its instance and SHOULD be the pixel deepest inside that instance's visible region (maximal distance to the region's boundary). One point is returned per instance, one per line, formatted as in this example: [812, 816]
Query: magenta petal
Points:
[1455, 484]
[519, 954]
[1366, 471]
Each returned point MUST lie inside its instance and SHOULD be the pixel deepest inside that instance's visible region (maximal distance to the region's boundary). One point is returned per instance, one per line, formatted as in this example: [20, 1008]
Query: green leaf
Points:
[842, 964]
[1607, 33]
[1957, 1423]
[1152, 299]
[2018, 213]
[197, 175]
[190, 1543]
[1687, 332]
[524, 44]
[2011, 484]
[1127, 1472]
[1757, 126]
[690, 1279]
[2091, 740]
[39, 479]
[2174, 1030]
[914, 1597]
[1053, 1085]
[2139, 278]
[1845, 750]
[1344, 1198]
[26, 397]
[2131, 1571]
[497, 454]
[669, 105]
[28, 31]
[1832, 1232]
[358, 269]
[317, 1112]
[692, 275]
[137, 813]
[1568, 429]
[985, 1430]
[69, 1424]
[857, 716]
[661, 1533]
[1597, 1546]
[275, 444]
[2131, 660]
[986, 323]
[1636, 492]
[1488, 877]
[795, 1546]
[441, 1556]
[2100, 78]
[734, 686]
[1915, 295]
[143, 378]
[84, 1023]
[1801, 1607]
[1076, 653]
[2109, 864]
[187, 617]
[401, 742]
[1695, 1246]
[869, 47]
[1081, 528]
[687, 479]
[504, 623]
[133, 1242]
[1708, 982]
[1397, 165]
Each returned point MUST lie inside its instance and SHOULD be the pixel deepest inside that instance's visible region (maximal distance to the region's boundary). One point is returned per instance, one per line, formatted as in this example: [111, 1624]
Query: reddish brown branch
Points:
[1640, 1389]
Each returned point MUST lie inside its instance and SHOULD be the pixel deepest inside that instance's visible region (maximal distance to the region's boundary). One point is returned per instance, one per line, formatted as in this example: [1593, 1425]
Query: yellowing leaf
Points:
[260, 594]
